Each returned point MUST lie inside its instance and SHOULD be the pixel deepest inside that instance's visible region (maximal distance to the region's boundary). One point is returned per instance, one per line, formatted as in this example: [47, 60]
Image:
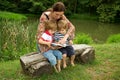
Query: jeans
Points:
[53, 56]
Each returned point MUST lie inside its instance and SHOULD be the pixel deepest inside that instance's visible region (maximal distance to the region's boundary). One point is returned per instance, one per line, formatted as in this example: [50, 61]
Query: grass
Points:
[11, 16]
[105, 67]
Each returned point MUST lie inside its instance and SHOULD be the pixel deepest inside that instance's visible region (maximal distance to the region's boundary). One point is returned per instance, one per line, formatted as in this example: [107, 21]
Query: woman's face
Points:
[57, 15]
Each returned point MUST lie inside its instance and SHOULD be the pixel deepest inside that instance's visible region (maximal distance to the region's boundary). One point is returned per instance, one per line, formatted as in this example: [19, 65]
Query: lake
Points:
[98, 31]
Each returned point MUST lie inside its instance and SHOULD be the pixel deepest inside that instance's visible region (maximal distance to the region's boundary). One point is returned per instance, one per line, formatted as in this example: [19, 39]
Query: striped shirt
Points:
[58, 36]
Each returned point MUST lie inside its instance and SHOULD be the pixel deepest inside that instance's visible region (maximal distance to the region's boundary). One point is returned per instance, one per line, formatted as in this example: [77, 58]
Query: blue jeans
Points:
[53, 56]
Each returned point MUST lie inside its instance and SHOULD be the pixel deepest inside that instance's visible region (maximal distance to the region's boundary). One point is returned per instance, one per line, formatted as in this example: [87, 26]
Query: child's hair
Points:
[62, 24]
[50, 25]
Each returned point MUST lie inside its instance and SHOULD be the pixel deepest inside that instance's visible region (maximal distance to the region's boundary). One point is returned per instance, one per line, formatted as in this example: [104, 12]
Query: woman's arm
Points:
[41, 26]
[70, 31]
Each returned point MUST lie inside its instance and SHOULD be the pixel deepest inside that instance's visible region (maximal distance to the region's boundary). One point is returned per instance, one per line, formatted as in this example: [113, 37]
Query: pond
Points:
[98, 31]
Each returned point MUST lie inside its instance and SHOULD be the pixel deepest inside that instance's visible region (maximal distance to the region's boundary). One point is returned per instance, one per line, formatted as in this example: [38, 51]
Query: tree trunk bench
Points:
[35, 64]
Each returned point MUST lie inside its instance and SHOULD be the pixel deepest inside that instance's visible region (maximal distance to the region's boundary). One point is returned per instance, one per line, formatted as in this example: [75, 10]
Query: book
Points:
[60, 45]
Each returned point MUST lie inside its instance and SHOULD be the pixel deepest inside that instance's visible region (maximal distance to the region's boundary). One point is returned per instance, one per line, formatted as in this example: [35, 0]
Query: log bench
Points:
[35, 64]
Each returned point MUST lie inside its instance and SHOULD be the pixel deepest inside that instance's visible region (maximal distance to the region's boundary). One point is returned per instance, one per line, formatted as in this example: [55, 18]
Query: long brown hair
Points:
[58, 6]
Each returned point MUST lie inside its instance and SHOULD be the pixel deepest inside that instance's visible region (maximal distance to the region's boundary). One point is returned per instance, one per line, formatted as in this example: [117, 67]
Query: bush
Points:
[114, 39]
[17, 38]
[83, 39]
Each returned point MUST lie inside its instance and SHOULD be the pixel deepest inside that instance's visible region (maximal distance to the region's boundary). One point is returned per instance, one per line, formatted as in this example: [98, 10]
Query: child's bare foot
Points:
[72, 64]
[64, 66]
[55, 69]
[58, 68]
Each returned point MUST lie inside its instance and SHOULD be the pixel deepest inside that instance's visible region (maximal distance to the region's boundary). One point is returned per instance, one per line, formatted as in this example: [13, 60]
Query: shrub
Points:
[83, 39]
[17, 38]
[114, 39]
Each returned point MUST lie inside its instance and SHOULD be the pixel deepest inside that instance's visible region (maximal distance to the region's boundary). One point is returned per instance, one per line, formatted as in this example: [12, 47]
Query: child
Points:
[45, 45]
[68, 50]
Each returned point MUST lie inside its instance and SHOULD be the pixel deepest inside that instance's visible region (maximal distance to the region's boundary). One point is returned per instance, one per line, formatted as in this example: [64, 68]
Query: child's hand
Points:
[49, 44]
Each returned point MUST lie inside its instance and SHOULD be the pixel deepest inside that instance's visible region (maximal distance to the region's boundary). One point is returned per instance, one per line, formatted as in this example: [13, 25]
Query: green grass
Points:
[11, 16]
[105, 67]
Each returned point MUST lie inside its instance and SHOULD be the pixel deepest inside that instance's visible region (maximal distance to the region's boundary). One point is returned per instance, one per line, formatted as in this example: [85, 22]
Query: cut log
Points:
[36, 64]
[84, 53]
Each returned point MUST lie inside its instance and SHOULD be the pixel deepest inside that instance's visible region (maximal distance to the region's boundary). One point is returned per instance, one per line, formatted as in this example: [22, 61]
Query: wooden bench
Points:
[35, 64]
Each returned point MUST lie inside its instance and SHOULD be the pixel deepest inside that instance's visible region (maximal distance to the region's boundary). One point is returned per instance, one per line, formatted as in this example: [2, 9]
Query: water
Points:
[98, 31]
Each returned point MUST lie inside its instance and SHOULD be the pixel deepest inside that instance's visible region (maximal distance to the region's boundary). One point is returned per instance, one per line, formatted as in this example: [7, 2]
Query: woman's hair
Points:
[62, 24]
[50, 25]
[58, 6]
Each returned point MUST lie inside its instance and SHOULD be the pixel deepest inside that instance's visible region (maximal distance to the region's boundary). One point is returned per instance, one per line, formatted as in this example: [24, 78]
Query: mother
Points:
[55, 13]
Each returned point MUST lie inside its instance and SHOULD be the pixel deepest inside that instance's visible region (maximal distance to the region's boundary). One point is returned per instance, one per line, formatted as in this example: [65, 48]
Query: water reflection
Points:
[98, 31]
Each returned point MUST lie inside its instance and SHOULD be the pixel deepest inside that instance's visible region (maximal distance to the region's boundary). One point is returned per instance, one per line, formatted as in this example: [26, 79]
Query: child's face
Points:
[51, 31]
[62, 31]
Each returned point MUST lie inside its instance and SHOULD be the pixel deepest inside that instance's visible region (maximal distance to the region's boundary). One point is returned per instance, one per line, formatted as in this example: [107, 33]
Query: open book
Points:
[60, 45]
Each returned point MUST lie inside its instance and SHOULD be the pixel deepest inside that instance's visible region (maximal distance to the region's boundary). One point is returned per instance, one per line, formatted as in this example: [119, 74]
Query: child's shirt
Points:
[46, 36]
[58, 36]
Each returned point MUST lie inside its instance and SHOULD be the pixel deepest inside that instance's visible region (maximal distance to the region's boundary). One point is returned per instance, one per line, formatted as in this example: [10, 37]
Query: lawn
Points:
[106, 66]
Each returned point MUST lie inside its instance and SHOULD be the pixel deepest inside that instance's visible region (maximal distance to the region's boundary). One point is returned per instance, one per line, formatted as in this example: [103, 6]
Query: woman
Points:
[56, 13]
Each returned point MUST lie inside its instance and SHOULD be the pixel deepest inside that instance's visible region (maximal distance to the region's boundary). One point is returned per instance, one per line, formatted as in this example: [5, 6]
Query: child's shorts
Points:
[69, 50]
[53, 56]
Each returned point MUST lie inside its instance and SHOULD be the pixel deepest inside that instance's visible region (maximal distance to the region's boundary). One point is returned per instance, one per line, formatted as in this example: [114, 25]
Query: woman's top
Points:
[45, 17]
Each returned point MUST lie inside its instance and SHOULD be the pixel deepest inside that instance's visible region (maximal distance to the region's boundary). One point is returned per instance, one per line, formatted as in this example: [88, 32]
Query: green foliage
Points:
[7, 6]
[83, 39]
[108, 10]
[24, 6]
[114, 39]
[107, 13]
[11, 16]
[17, 38]
[37, 8]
